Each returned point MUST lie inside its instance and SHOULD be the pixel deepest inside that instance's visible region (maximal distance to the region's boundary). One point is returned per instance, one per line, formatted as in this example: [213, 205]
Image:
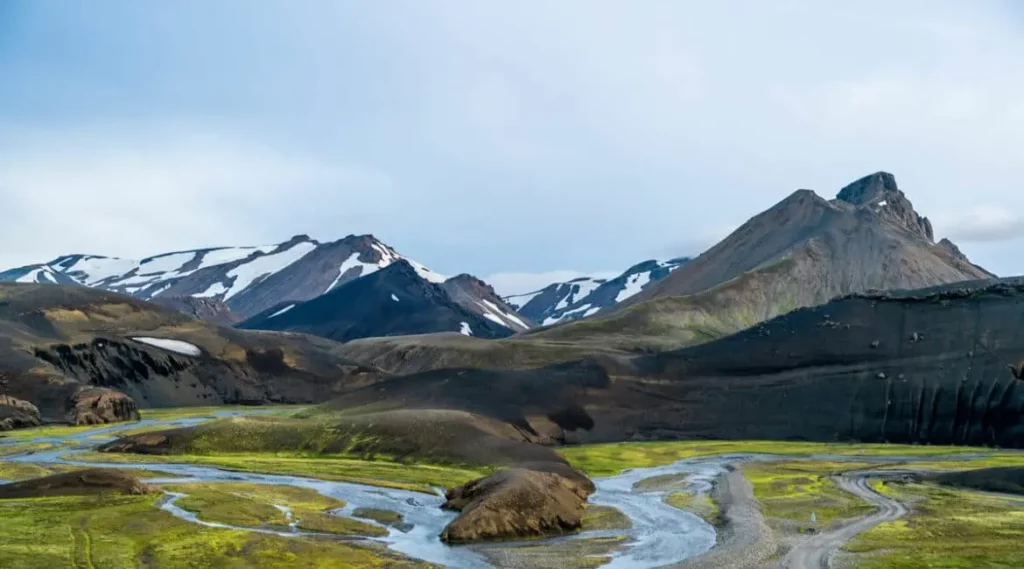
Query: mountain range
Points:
[229, 285]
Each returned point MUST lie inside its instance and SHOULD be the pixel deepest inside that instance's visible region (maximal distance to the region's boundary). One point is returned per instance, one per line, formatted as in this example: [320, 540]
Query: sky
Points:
[522, 142]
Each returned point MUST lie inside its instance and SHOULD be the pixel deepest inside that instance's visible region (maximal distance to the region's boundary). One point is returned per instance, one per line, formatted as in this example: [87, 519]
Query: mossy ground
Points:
[793, 490]
[597, 517]
[385, 517]
[946, 529]
[254, 505]
[416, 477]
[701, 505]
[115, 532]
[613, 458]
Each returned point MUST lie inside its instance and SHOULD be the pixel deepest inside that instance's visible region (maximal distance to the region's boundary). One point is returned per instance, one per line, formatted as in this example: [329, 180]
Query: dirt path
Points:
[745, 540]
[816, 553]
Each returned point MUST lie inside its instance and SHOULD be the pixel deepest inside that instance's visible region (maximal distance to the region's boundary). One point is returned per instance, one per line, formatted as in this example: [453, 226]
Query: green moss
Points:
[126, 532]
[416, 477]
[597, 517]
[611, 459]
[255, 505]
[793, 490]
[946, 529]
[385, 517]
[699, 504]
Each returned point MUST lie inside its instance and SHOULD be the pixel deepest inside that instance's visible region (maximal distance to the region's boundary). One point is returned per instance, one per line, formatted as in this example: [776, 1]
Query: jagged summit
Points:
[880, 193]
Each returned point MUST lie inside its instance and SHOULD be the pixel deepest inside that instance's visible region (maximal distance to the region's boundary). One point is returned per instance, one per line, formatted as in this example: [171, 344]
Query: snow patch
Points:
[633, 285]
[176, 346]
[247, 273]
[165, 263]
[282, 311]
[351, 262]
[214, 290]
[520, 300]
[465, 330]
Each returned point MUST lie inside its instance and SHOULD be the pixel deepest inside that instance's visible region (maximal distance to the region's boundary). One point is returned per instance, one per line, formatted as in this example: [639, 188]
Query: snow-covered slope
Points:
[251, 280]
[585, 296]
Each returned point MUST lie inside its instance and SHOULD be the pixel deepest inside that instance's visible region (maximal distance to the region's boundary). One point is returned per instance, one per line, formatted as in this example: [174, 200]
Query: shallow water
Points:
[661, 534]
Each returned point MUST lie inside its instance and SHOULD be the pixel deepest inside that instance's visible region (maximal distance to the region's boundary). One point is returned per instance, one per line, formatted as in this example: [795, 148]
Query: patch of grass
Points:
[175, 413]
[18, 448]
[611, 459]
[597, 517]
[255, 505]
[946, 529]
[699, 504]
[793, 490]
[416, 477]
[384, 517]
[126, 532]
[993, 460]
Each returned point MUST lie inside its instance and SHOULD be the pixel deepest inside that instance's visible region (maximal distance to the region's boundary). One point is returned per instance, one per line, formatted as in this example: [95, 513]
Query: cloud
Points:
[981, 223]
[506, 284]
[154, 188]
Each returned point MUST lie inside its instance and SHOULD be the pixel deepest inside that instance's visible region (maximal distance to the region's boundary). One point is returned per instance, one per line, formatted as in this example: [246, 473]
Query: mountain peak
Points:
[869, 189]
[880, 193]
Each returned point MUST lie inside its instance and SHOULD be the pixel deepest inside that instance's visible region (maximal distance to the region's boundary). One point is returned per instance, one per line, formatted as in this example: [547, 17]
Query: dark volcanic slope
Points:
[56, 339]
[929, 366]
[392, 301]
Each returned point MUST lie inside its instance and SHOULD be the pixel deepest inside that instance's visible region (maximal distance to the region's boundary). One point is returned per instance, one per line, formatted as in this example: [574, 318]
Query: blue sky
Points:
[516, 141]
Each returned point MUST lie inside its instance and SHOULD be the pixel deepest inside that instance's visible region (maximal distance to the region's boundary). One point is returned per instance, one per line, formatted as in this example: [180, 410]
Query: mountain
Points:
[230, 284]
[65, 346]
[803, 251]
[585, 296]
[395, 300]
[869, 237]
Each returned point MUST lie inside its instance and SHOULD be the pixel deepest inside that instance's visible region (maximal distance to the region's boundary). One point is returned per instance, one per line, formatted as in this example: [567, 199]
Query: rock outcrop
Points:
[17, 414]
[99, 405]
[75, 483]
[517, 503]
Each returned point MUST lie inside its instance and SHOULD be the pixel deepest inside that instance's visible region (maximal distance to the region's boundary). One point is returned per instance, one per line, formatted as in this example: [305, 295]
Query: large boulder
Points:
[99, 405]
[517, 503]
[17, 414]
[79, 482]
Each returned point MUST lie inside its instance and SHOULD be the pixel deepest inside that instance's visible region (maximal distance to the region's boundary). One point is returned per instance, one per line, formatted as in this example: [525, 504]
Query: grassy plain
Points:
[946, 529]
[127, 532]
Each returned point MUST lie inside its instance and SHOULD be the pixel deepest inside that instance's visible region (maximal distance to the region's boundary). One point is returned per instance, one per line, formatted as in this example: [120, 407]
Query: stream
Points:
[661, 534]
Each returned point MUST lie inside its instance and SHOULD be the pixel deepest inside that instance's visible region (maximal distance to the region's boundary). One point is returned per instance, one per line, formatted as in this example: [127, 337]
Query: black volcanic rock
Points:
[393, 301]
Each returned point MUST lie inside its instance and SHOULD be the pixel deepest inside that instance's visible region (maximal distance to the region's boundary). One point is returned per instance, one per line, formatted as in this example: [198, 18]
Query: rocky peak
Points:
[473, 285]
[869, 189]
[880, 193]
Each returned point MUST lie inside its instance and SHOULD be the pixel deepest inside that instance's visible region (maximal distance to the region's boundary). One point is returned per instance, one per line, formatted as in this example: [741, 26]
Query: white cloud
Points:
[507, 284]
[149, 189]
[980, 223]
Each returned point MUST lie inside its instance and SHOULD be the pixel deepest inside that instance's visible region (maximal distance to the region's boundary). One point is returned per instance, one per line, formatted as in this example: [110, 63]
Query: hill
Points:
[59, 343]
[926, 366]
